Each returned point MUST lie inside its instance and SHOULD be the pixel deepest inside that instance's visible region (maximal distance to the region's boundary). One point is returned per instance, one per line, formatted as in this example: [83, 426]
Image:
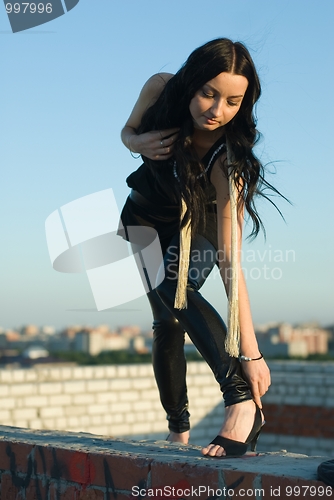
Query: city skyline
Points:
[49, 330]
[69, 87]
[280, 339]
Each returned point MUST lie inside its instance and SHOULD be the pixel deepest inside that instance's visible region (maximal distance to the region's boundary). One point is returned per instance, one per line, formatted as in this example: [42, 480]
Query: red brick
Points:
[240, 482]
[182, 476]
[325, 422]
[37, 489]
[284, 428]
[68, 464]
[15, 456]
[305, 421]
[4, 459]
[63, 492]
[328, 433]
[118, 471]
[303, 431]
[8, 490]
[297, 420]
[91, 494]
[123, 496]
[307, 411]
[285, 487]
[288, 419]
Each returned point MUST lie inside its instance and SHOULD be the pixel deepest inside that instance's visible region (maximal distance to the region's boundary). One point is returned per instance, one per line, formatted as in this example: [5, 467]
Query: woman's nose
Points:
[217, 108]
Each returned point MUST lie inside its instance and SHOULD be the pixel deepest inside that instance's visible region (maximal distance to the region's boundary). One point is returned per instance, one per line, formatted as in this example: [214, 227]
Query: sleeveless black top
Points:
[161, 214]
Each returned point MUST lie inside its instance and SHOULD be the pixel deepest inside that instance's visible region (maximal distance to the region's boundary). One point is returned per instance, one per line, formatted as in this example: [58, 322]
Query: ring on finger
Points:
[162, 143]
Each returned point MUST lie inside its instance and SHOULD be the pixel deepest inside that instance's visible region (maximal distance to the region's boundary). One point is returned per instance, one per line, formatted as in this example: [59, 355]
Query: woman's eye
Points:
[231, 103]
[206, 94]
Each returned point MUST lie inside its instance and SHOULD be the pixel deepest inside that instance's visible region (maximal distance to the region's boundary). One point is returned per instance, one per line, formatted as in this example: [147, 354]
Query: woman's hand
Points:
[257, 375]
[157, 145]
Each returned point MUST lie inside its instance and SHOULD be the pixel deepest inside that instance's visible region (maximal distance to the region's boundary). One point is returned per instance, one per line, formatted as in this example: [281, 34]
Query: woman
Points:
[180, 126]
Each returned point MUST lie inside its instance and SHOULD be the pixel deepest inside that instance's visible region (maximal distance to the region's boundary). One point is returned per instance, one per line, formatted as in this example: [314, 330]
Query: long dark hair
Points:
[172, 110]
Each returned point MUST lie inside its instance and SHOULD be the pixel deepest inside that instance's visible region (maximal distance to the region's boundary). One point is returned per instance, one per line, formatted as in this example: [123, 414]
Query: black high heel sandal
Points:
[238, 448]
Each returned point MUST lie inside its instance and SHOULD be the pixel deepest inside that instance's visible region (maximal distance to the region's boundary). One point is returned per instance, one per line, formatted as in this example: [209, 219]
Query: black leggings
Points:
[204, 326]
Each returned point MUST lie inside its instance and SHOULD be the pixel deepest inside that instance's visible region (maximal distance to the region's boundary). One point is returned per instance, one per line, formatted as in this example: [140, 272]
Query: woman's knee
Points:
[168, 328]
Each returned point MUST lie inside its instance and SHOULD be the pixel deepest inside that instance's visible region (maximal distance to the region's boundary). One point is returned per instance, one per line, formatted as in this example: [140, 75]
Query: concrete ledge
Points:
[53, 465]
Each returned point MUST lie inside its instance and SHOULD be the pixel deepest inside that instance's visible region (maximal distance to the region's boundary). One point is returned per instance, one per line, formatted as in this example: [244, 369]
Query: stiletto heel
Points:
[238, 448]
[253, 442]
[257, 428]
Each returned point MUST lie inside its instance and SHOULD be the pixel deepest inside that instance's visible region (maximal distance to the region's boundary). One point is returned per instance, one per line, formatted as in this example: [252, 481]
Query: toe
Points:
[220, 452]
[207, 449]
[213, 451]
[217, 451]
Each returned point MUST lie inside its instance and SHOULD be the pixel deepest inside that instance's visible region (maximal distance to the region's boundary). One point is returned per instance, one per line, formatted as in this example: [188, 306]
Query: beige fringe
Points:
[232, 340]
[185, 241]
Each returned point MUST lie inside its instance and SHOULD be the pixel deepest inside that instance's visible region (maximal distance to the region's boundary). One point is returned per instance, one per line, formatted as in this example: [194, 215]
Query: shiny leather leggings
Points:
[204, 326]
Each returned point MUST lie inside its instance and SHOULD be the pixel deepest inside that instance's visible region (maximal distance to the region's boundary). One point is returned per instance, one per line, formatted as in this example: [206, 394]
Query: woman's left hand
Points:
[257, 375]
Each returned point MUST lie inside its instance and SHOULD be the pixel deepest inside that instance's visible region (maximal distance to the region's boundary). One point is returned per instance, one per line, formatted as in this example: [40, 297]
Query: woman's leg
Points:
[200, 320]
[169, 365]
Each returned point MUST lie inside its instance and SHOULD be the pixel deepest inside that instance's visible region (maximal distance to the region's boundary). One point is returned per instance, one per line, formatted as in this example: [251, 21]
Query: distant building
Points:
[35, 352]
[330, 330]
[59, 343]
[139, 345]
[29, 330]
[283, 339]
[129, 331]
[95, 341]
[48, 330]
[70, 331]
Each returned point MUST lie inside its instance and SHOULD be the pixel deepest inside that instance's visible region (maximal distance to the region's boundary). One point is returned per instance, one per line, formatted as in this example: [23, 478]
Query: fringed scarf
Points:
[232, 340]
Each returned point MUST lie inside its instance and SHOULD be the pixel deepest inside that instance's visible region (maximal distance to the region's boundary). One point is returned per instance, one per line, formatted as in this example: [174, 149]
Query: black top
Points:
[143, 180]
[162, 215]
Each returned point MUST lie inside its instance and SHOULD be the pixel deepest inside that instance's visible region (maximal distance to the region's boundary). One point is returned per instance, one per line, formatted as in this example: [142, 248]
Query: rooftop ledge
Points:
[53, 465]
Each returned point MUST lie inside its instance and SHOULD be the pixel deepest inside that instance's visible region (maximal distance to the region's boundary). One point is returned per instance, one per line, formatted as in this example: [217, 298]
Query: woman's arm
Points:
[256, 372]
[155, 145]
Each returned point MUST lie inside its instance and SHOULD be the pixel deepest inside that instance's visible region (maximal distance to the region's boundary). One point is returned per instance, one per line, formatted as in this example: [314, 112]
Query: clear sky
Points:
[68, 87]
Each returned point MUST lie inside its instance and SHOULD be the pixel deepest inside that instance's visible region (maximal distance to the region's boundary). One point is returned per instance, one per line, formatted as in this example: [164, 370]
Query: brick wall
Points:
[110, 400]
[299, 408]
[123, 401]
[51, 465]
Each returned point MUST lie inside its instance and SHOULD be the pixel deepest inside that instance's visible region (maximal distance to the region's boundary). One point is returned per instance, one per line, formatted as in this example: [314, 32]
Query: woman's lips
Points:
[210, 120]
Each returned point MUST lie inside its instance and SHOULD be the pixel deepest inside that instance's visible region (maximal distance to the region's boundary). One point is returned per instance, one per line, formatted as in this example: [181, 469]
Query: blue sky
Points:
[68, 87]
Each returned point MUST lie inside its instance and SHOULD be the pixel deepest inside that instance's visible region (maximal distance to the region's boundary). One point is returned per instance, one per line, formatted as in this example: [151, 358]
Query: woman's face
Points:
[218, 101]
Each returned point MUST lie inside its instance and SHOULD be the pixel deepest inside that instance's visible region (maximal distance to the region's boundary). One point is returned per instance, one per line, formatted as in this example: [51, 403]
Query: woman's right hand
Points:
[157, 145]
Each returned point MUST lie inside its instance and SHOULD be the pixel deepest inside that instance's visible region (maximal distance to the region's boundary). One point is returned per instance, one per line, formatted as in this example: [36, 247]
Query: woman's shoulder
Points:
[155, 85]
[149, 94]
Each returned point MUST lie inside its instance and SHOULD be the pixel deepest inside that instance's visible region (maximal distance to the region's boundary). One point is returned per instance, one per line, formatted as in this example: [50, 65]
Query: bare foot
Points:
[176, 437]
[239, 420]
